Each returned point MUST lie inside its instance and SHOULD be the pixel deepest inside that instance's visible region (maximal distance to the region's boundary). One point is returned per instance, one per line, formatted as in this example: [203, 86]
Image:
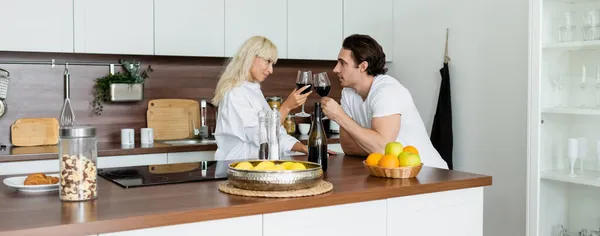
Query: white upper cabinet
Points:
[114, 26]
[314, 29]
[36, 25]
[246, 18]
[189, 27]
[374, 18]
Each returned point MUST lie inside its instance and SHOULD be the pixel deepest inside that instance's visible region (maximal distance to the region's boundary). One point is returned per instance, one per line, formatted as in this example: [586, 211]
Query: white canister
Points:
[127, 137]
[147, 135]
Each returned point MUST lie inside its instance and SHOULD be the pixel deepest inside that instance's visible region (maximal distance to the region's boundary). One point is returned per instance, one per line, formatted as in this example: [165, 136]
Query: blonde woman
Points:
[239, 99]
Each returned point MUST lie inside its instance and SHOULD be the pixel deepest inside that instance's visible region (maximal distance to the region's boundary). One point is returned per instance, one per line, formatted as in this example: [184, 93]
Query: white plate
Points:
[17, 182]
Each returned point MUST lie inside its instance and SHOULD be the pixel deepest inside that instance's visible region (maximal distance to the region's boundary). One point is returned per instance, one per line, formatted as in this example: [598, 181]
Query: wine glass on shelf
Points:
[302, 79]
[573, 148]
[321, 84]
[597, 86]
[583, 86]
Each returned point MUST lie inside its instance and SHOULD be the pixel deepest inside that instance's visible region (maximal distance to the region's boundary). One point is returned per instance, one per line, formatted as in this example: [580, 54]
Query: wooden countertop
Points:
[12, 154]
[120, 209]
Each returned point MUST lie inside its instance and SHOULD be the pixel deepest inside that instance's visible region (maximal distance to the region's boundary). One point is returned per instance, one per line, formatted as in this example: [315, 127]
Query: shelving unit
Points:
[560, 64]
[572, 111]
[576, 45]
[587, 177]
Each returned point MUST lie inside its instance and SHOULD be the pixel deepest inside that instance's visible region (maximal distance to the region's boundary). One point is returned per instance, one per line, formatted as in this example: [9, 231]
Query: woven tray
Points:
[321, 188]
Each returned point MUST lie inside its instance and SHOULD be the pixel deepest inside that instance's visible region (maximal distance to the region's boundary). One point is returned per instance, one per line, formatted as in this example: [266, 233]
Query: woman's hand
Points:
[295, 99]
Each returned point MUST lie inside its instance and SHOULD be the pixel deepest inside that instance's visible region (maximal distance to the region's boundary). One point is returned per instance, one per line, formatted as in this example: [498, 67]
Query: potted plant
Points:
[120, 87]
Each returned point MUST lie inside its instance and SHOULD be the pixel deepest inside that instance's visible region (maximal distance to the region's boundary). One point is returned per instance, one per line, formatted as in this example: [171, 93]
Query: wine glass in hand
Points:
[302, 79]
[321, 84]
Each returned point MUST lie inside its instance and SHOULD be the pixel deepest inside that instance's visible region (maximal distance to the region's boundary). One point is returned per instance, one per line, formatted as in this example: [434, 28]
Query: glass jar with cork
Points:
[274, 102]
[289, 124]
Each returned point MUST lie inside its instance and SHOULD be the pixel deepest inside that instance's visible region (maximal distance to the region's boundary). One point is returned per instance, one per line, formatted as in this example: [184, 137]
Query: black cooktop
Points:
[137, 176]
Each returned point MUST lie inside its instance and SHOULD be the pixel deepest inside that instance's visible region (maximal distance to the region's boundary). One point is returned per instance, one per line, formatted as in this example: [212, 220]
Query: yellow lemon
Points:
[275, 167]
[287, 164]
[263, 165]
[244, 166]
[298, 166]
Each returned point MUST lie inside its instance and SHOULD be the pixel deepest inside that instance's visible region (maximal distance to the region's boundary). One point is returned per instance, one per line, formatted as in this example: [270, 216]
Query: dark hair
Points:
[365, 48]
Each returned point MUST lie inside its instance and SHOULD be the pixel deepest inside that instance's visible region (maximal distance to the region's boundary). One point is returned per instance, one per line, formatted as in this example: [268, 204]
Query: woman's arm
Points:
[299, 147]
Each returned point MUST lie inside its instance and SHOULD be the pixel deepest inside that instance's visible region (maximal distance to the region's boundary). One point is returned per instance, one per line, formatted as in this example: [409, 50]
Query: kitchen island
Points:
[436, 202]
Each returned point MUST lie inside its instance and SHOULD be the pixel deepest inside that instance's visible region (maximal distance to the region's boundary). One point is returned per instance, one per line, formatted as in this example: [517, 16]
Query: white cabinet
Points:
[114, 26]
[375, 19]
[36, 25]
[247, 226]
[331, 220]
[451, 213]
[189, 27]
[28, 167]
[246, 18]
[186, 157]
[132, 160]
[314, 29]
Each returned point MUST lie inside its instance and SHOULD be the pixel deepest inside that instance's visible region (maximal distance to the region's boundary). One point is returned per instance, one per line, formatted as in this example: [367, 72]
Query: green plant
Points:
[132, 75]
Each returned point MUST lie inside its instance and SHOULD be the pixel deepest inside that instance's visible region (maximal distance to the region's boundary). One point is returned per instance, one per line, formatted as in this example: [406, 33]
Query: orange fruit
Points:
[373, 159]
[389, 161]
[411, 149]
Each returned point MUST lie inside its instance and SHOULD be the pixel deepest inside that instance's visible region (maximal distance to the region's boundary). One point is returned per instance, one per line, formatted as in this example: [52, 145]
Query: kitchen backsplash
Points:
[37, 90]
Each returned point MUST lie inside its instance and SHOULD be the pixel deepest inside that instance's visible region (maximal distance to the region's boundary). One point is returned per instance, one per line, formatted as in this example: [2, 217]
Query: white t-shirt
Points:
[387, 97]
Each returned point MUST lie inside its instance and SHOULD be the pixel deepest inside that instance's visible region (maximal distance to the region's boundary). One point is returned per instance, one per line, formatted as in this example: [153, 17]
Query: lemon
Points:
[244, 166]
[263, 165]
[298, 166]
[275, 167]
[287, 165]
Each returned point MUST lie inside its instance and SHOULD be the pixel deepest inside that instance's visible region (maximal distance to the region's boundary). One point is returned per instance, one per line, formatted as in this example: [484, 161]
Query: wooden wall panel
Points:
[37, 90]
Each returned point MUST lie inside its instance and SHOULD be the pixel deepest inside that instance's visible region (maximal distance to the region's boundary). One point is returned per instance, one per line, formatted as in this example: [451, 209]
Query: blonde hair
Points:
[238, 66]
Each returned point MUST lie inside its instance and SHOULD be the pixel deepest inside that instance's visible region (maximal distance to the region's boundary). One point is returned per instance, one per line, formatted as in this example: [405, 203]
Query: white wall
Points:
[488, 48]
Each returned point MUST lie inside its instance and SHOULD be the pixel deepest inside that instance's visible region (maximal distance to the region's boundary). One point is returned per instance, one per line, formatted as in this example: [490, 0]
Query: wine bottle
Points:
[317, 140]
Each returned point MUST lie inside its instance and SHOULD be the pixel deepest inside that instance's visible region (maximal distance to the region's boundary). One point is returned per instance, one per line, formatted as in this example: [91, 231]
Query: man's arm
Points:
[385, 129]
[349, 146]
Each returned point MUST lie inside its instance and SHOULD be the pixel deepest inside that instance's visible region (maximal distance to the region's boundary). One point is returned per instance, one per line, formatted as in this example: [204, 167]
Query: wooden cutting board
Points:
[169, 123]
[27, 132]
[173, 168]
[192, 106]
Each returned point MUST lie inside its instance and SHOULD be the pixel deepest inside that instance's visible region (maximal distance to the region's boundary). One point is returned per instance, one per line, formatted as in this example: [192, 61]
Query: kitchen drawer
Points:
[28, 167]
[185, 157]
[132, 160]
[245, 225]
[329, 220]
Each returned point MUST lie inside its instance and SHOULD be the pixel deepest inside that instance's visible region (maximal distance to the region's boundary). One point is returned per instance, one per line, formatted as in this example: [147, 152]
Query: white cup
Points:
[304, 128]
[127, 137]
[147, 135]
[334, 127]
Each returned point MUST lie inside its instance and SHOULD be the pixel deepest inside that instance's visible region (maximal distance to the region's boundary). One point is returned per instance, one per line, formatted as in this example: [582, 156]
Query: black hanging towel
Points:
[441, 131]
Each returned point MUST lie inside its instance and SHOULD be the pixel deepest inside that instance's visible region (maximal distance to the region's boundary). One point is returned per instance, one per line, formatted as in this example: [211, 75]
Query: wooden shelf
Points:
[575, 45]
[572, 111]
[588, 177]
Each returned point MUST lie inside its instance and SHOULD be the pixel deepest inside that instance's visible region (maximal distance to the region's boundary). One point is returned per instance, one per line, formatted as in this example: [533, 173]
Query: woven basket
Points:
[395, 173]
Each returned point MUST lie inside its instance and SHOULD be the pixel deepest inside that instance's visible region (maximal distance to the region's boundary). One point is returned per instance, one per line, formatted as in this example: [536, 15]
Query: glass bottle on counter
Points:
[290, 125]
[273, 136]
[317, 140]
[78, 163]
[263, 135]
